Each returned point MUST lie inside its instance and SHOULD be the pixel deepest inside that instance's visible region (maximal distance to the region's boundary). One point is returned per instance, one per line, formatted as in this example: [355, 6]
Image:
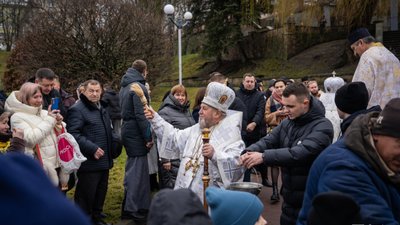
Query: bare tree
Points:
[13, 15]
[90, 39]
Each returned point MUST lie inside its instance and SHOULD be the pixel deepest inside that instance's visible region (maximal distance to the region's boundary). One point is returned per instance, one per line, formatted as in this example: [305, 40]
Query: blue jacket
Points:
[345, 169]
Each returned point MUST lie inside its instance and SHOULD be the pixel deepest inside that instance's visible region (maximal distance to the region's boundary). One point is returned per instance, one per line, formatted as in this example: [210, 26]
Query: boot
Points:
[275, 194]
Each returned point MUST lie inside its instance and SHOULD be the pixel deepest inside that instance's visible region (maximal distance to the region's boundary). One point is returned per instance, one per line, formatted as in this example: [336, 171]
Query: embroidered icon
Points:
[222, 99]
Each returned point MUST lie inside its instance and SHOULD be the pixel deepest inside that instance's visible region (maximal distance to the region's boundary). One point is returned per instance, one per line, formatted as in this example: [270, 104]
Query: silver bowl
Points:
[251, 187]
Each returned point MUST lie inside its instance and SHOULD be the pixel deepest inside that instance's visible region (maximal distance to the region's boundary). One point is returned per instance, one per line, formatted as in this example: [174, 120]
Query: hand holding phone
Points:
[55, 103]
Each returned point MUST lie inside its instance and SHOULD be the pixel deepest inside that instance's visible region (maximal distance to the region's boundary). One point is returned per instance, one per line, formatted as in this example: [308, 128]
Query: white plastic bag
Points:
[69, 154]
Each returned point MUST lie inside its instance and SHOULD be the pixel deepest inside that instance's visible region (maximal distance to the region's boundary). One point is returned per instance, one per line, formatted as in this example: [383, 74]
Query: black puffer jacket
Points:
[135, 130]
[255, 105]
[176, 114]
[91, 127]
[346, 122]
[47, 101]
[111, 97]
[238, 105]
[294, 145]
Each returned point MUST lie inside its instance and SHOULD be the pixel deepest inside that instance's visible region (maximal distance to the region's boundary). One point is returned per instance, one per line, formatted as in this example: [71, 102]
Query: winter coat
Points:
[91, 127]
[176, 114]
[38, 129]
[111, 97]
[272, 118]
[47, 101]
[67, 99]
[135, 130]
[180, 117]
[346, 166]
[238, 105]
[195, 113]
[346, 122]
[255, 106]
[28, 197]
[293, 145]
[11, 144]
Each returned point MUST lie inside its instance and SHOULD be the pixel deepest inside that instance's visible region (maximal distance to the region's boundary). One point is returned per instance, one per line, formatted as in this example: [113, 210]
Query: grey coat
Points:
[176, 114]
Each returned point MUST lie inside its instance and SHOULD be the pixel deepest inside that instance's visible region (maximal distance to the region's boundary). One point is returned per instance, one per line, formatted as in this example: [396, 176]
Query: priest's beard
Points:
[204, 124]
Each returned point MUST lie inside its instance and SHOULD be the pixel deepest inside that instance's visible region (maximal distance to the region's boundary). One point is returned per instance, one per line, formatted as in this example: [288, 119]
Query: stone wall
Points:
[282, 43]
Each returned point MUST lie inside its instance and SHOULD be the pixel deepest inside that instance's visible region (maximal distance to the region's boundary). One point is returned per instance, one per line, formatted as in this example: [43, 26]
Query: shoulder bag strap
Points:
[38, 155]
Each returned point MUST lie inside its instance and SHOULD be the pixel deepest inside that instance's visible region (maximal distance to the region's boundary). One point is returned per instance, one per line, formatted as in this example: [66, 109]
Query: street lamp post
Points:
[179, 23]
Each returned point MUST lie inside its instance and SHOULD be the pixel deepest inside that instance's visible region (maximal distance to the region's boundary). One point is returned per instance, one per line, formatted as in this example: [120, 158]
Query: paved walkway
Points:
[271, 212]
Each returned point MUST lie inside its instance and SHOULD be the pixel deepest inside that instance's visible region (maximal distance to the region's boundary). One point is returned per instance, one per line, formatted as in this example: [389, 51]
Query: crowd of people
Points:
[336, 149]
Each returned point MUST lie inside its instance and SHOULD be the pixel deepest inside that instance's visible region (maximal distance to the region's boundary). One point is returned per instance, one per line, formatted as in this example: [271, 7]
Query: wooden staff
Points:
[206, 176]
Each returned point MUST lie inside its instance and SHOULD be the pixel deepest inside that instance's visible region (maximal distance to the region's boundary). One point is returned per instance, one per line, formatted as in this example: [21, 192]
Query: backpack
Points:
[69, 154]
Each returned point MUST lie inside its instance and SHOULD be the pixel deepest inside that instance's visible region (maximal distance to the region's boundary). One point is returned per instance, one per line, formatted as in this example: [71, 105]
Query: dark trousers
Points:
[91, 191]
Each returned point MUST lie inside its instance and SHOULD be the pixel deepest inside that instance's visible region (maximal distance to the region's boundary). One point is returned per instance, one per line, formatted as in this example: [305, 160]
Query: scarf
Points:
[277, 97]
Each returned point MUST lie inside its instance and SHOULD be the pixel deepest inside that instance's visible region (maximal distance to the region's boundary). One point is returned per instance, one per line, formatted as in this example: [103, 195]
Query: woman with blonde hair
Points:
[39, 128]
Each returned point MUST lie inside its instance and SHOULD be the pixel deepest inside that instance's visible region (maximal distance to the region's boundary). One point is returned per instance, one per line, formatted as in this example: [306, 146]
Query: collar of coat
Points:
[90, 105]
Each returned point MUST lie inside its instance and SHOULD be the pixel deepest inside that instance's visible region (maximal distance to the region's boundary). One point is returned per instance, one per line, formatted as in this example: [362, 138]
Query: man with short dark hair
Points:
[365, 164]
[293, 145]
[46, 78]
[90, 125]
[137, 139]
[378, 68]
[255, 107]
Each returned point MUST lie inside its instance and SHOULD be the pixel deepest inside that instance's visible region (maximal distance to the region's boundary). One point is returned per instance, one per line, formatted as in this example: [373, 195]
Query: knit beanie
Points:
[352, 97]
[388, 123]
[357, 35]
[233, 207]
[177, 207]
[332, 208]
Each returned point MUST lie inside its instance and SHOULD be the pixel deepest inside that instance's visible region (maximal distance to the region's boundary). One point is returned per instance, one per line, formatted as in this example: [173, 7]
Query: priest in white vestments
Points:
[222, 151]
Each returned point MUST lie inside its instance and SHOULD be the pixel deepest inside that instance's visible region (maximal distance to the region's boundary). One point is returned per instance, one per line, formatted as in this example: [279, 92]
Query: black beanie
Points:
[177, 207]
[357, 35]
[352, 97]
[388, 123]
[333, 208]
